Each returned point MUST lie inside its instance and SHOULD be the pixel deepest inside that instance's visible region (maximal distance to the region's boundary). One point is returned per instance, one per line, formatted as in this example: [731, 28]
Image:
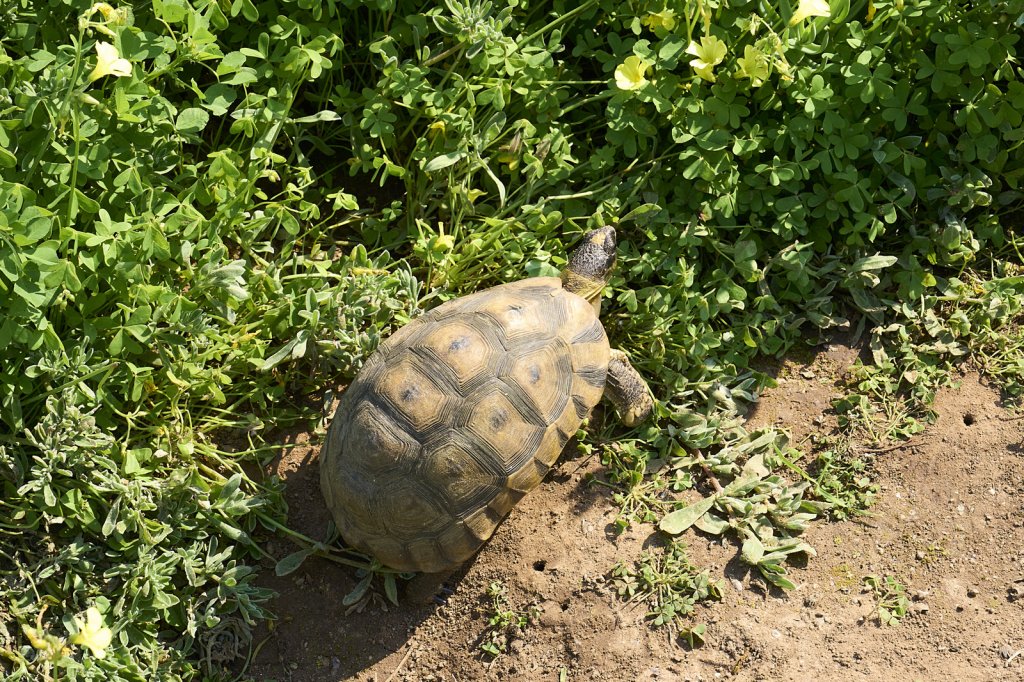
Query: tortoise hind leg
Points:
[627, 390]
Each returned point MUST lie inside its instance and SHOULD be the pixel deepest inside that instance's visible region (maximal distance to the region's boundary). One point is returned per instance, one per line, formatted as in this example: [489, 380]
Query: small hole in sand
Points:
[539, 565]
[968, 419]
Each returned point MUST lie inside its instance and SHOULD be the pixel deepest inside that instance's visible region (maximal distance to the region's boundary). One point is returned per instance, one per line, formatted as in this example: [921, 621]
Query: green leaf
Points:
[87, 204]
[712, 524]
[870, 263]
[39, 60]
[291, 563]
[752, 551]
[230, 487]
[171, 11]
[192, 120]
[218, 98]
[497, 183]
[391, 588]
[676, 522]
[443, 161]
[694, 636]
[110, 523]
[326, 115]
[776, 576]
[358, 591]
[639, 211]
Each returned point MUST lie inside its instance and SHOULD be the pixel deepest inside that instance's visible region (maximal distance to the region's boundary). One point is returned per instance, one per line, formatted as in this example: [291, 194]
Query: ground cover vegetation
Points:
[213, 210]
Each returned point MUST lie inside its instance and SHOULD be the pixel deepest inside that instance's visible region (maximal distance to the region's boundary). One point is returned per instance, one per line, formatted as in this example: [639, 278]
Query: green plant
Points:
[966, 317]
[504, 623]
[842, 479]
[932, 552]
[891, 597]
[640, 490]
[168, 291]
[670, 585]
[758, 505]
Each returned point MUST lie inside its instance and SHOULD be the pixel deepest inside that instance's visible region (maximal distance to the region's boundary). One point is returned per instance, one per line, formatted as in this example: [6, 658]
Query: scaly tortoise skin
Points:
[457, 416]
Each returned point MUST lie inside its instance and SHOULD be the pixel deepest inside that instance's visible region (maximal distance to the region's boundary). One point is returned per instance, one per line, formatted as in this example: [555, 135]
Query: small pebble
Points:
[972, 592]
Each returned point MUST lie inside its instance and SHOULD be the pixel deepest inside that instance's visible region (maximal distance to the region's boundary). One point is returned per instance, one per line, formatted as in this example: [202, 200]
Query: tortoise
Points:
[462, 411]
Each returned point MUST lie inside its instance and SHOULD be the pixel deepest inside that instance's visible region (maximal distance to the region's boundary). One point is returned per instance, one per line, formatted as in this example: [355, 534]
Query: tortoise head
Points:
[591, 264]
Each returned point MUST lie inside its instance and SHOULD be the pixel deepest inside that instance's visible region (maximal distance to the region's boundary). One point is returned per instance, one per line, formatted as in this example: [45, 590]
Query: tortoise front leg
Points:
[627, 390]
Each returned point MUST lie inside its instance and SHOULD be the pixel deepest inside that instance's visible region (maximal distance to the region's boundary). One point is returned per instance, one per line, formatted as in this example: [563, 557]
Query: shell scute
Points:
[459, 346]
[502, 432]
[410, 392]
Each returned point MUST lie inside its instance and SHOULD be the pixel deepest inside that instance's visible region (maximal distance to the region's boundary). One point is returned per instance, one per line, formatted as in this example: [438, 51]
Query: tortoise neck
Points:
[583, 286]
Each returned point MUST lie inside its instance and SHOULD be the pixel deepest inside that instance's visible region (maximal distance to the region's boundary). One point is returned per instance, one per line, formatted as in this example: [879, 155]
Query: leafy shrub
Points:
[207, 208]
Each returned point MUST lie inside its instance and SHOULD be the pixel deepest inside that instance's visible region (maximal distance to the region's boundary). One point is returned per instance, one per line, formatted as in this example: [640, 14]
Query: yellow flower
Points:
[110, 17]
[629, 75]
[753, 65]
[109, 63]
[782, 67]
[871, 11]
[709, 54]
[810, 8]
[92, 633]
[665, 19]
[103, 8]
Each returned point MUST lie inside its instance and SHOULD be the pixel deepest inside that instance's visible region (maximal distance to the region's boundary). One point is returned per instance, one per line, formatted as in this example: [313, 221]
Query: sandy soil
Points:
[948, 524]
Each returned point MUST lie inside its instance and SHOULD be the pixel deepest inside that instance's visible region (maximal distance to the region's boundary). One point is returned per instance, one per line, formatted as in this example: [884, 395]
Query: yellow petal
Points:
[103, 8]
[665, 19]
[709, 53]
[110, 15]
[629, 75]
[109, 63]
[810, 8]
[92, 633]
[753, 65]
[706, 71]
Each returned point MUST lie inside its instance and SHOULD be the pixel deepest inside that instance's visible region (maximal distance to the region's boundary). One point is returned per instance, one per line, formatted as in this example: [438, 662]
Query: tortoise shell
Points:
[456, 417]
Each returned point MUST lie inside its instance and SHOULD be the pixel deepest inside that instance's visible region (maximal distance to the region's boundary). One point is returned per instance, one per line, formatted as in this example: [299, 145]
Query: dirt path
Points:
[948, 524]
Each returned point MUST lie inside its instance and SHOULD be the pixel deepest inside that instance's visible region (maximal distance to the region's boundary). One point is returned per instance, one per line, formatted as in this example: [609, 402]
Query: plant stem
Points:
[557, 21]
